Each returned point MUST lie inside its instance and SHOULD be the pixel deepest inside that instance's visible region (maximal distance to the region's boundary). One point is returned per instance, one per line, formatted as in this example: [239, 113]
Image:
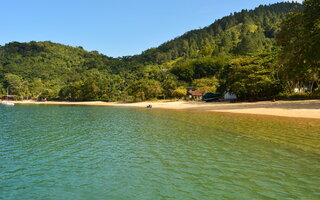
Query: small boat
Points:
[209, 97]
[7, 103]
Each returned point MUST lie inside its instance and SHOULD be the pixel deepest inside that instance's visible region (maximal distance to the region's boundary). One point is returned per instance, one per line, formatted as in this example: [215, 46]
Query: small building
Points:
[230, 96]
[196, 95]
[302, 89]
[296, 90]
[8, 98]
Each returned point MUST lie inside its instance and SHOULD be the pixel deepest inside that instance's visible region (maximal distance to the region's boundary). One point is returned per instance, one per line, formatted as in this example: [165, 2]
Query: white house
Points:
[229, 96]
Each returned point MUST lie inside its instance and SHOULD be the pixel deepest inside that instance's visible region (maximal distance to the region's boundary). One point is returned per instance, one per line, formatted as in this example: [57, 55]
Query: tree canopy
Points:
[256, 54]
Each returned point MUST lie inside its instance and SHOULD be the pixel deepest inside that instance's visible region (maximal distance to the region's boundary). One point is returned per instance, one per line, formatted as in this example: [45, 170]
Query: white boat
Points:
[7, 103]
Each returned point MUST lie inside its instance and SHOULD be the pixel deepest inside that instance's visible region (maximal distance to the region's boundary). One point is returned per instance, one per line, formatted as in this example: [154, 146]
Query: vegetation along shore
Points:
[271, 52]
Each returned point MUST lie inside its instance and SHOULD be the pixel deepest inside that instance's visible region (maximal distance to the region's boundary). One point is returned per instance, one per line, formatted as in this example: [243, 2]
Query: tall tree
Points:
[299, 37]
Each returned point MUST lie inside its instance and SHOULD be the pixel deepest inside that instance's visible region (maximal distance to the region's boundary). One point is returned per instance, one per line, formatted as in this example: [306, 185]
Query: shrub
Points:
[299, 95]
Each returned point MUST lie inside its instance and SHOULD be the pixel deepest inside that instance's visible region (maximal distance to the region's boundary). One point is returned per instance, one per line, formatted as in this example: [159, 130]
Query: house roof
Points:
[194, 93]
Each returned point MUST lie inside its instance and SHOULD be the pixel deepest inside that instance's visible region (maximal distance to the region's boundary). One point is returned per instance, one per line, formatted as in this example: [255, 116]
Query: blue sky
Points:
[112, 27]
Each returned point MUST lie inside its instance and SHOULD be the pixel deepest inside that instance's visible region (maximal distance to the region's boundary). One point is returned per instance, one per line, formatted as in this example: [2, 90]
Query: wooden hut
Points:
[196, 95]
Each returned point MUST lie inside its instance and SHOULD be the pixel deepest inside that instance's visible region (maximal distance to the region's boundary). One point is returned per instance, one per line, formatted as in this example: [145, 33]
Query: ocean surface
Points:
[82, 152]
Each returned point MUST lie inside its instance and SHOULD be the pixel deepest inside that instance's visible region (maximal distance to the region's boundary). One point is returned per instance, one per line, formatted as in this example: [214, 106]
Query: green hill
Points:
[35, 68]
[237, 53]
[240, 33]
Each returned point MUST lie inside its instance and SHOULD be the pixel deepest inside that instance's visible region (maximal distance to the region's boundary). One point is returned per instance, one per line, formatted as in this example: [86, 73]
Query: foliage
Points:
[198, 68]
[298, 95]
[2, 89]
[145, 89]
[240, 33]
[299, 37]
[16, 84]
[169, 84]
[236, 53]
[179, 92]
[205, 85]
[252, 78]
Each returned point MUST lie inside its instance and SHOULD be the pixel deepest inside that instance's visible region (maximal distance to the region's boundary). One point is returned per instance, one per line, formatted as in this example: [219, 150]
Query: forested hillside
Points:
[239, 53]
[248, 31]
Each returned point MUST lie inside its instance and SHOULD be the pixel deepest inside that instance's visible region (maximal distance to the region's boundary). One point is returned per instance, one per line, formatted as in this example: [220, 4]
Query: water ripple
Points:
[64, 152]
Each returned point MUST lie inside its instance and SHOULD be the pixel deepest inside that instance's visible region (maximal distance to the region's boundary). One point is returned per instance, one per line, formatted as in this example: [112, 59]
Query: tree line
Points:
[258, 54]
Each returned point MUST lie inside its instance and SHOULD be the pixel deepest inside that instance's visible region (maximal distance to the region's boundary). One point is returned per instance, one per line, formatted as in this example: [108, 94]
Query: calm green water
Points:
[78, 152]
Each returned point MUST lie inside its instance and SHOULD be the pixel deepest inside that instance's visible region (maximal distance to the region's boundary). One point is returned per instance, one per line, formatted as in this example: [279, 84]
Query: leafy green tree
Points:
[89, 89]
[299, 37]
[169, 85]
[2, 89]
[251, 43]
[16, 85]
[184, 71]
[198, 68]
[207, 67]
[72, 92]
[36, 88]
[205, 85]
[179, 93]
[48, 94]
[252, 78]
[145, 89]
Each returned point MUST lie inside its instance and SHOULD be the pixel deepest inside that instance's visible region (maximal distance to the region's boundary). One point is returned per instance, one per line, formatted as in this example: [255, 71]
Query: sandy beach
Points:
[300, 109]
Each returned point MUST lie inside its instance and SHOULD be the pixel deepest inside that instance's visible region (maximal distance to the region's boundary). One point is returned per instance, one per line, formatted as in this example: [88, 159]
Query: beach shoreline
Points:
[297, 109]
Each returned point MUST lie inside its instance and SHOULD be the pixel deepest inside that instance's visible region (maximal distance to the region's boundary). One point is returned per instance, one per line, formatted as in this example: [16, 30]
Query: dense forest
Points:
[256, 54]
